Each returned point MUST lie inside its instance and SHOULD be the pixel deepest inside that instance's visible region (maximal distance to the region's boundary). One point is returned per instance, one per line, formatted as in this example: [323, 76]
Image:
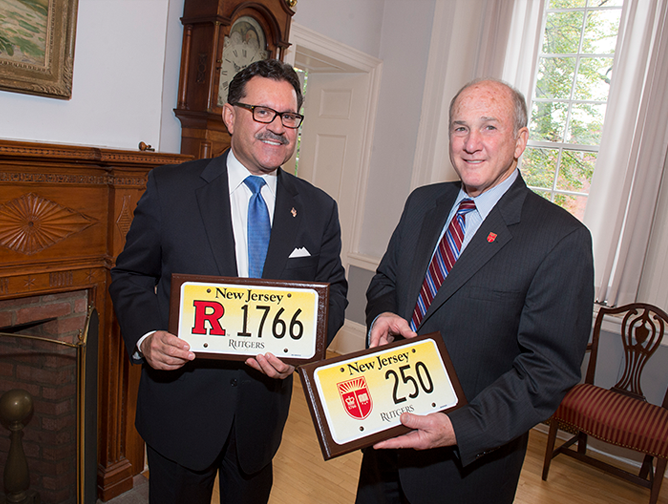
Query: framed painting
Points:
[37, 46]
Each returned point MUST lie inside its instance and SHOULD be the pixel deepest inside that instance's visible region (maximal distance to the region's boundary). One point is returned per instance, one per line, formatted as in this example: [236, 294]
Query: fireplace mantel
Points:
[64, 214]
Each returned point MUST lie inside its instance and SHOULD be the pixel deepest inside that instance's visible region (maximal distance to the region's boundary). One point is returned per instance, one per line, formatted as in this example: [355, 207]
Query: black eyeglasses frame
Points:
[279, 114]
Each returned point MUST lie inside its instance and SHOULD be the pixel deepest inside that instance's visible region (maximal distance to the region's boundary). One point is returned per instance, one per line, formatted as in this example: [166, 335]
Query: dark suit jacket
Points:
[515, 313]
[182, 224]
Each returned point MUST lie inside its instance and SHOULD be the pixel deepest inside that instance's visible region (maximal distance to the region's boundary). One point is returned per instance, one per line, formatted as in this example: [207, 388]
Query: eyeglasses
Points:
[266, 115]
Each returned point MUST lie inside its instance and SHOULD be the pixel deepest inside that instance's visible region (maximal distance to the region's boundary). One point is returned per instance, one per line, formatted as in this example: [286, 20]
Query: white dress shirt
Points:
[483, 205]
[240, 195]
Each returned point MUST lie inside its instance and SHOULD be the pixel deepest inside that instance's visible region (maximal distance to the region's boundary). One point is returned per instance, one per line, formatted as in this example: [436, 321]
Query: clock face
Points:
[245, 44]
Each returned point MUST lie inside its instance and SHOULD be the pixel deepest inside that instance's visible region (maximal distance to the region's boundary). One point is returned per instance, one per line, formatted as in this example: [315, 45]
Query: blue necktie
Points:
[259, 227]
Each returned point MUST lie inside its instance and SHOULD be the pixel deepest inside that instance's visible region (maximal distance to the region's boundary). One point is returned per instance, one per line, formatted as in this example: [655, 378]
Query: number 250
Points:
[422, 375]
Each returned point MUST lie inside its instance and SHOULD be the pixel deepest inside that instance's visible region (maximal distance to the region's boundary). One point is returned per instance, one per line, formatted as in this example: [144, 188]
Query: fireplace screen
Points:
[48, 405]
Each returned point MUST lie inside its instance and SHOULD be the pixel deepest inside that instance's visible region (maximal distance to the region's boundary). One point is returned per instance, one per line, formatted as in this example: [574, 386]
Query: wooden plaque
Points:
[236, 318]
[356, 400]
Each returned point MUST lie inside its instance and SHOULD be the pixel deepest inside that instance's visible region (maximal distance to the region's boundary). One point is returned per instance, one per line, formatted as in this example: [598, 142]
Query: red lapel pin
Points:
[491, 237]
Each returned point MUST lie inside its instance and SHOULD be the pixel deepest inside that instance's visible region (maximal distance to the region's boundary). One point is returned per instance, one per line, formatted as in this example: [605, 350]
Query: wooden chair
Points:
[621, 415]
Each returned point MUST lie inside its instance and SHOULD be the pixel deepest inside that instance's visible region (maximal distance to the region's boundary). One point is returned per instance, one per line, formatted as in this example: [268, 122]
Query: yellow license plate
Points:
[366, 395]
[249, 319]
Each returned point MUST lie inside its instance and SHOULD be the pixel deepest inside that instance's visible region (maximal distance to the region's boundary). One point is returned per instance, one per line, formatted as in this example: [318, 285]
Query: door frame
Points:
[352, 335]
[348, 60]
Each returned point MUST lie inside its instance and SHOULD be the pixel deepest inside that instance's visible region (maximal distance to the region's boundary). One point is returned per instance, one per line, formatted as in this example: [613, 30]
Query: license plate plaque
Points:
[357, 400]
[236, 318]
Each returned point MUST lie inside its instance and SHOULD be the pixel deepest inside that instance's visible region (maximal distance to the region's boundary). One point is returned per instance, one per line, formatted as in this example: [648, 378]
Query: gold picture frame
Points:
[37, 46]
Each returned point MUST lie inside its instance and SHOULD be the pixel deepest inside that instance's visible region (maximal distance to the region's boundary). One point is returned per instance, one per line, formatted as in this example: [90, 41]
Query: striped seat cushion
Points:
[616, 419]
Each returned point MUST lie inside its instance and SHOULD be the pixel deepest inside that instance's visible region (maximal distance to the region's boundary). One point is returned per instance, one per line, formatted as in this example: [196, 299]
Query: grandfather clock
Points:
[221, 37]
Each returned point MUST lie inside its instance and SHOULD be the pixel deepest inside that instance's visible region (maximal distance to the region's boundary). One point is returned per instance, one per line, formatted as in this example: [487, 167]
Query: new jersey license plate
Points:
[238, 318]
[361, 399]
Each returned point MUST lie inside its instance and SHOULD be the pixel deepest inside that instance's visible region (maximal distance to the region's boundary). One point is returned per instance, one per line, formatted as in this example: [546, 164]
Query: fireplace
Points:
[64, 213]
[44, 359]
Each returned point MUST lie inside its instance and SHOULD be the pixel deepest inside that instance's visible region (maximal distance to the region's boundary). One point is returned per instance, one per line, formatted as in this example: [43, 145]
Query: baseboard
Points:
[351, 338]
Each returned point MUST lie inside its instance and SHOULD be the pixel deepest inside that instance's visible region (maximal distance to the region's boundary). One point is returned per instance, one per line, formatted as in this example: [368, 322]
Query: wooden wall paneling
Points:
[64, 213]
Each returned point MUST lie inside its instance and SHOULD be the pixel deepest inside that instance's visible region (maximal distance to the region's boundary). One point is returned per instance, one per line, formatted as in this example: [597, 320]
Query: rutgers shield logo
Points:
[356, 397]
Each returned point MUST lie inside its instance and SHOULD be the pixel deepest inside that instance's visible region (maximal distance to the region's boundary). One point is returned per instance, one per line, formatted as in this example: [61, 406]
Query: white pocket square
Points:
[300, 252]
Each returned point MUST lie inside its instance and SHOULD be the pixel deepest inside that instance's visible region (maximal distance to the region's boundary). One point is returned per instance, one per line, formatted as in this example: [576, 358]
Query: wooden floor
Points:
[301, 476]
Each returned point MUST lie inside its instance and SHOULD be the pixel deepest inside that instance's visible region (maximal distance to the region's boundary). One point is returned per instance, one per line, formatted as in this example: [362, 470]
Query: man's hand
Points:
[386, 326]
[431, 431]
[166, 352]
[271, 365]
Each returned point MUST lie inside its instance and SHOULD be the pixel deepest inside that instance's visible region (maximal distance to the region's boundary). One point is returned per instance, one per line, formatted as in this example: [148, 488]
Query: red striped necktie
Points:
[442, 262]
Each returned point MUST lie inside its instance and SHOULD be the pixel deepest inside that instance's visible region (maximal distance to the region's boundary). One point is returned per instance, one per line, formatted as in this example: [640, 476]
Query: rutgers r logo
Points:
[356, 397]
[210, 311]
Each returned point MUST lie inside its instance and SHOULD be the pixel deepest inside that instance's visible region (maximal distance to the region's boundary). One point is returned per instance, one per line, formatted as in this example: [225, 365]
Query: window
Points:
[303, 79]
[569, 99]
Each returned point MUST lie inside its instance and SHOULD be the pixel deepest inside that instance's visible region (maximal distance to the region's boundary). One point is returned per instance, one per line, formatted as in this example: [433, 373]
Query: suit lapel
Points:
[432, 225]
[288, 214]
[213, 200]
[481, 249]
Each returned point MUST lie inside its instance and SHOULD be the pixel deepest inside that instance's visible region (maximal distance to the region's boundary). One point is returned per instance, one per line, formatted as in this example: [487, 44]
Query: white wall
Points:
[353, 22]
[126, 72]
[399, 33]
[170, 126]
[404, 51]
[117, 86]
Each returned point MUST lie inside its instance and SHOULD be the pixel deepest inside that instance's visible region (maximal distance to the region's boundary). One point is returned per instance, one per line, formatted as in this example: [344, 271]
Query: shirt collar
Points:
[237, 173]
[486, 201]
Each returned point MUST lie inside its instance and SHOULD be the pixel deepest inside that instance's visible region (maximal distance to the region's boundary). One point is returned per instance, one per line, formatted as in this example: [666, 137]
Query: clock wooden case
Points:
[221, 37]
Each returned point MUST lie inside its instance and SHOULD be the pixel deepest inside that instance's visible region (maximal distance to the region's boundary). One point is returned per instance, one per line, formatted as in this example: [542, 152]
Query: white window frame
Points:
[564, 145]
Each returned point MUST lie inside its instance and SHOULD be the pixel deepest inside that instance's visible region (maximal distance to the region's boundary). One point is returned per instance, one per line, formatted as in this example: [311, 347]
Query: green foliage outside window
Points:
[569, 103]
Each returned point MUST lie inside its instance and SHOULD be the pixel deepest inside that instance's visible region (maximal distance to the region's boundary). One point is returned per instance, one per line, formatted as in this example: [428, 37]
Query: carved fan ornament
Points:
[30, 224]
[125, 216]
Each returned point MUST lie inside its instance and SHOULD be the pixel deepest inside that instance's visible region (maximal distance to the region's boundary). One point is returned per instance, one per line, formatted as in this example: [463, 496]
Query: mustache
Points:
[268, 135]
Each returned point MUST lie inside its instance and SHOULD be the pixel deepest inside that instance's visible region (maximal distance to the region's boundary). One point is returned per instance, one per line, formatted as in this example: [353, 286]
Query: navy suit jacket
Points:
[515, 313]
[182, 224]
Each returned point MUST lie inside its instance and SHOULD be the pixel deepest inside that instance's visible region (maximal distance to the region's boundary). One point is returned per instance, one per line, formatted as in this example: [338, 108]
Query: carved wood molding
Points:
[64, 214]
[35, 283]
[30, 223]
[21, 151]
[64, 178]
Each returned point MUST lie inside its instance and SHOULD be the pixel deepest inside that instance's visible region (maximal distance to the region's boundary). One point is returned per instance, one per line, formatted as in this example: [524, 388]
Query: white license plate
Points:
[247, 319]
[366, 395]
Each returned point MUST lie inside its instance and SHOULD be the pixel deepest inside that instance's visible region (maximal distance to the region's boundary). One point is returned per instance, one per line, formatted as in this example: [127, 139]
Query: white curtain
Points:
[522, 48]
[624, 190]
[471, 38]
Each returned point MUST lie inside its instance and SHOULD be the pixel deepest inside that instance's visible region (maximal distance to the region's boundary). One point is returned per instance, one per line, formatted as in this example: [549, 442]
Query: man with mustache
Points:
[198, 416]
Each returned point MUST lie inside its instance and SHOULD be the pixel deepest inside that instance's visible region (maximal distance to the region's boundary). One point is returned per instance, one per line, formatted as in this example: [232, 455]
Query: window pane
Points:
[548, 120]
[601, 30]
[575, 205]
[562, 32]
[555, 78]
[539, 167]
[566, 4]
[585, 124]
[593, 79]
[575, 170]
[606, 3]
[572, 85]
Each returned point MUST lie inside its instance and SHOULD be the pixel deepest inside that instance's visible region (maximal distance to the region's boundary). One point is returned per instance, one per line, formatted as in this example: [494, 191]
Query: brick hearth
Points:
[48, 372]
